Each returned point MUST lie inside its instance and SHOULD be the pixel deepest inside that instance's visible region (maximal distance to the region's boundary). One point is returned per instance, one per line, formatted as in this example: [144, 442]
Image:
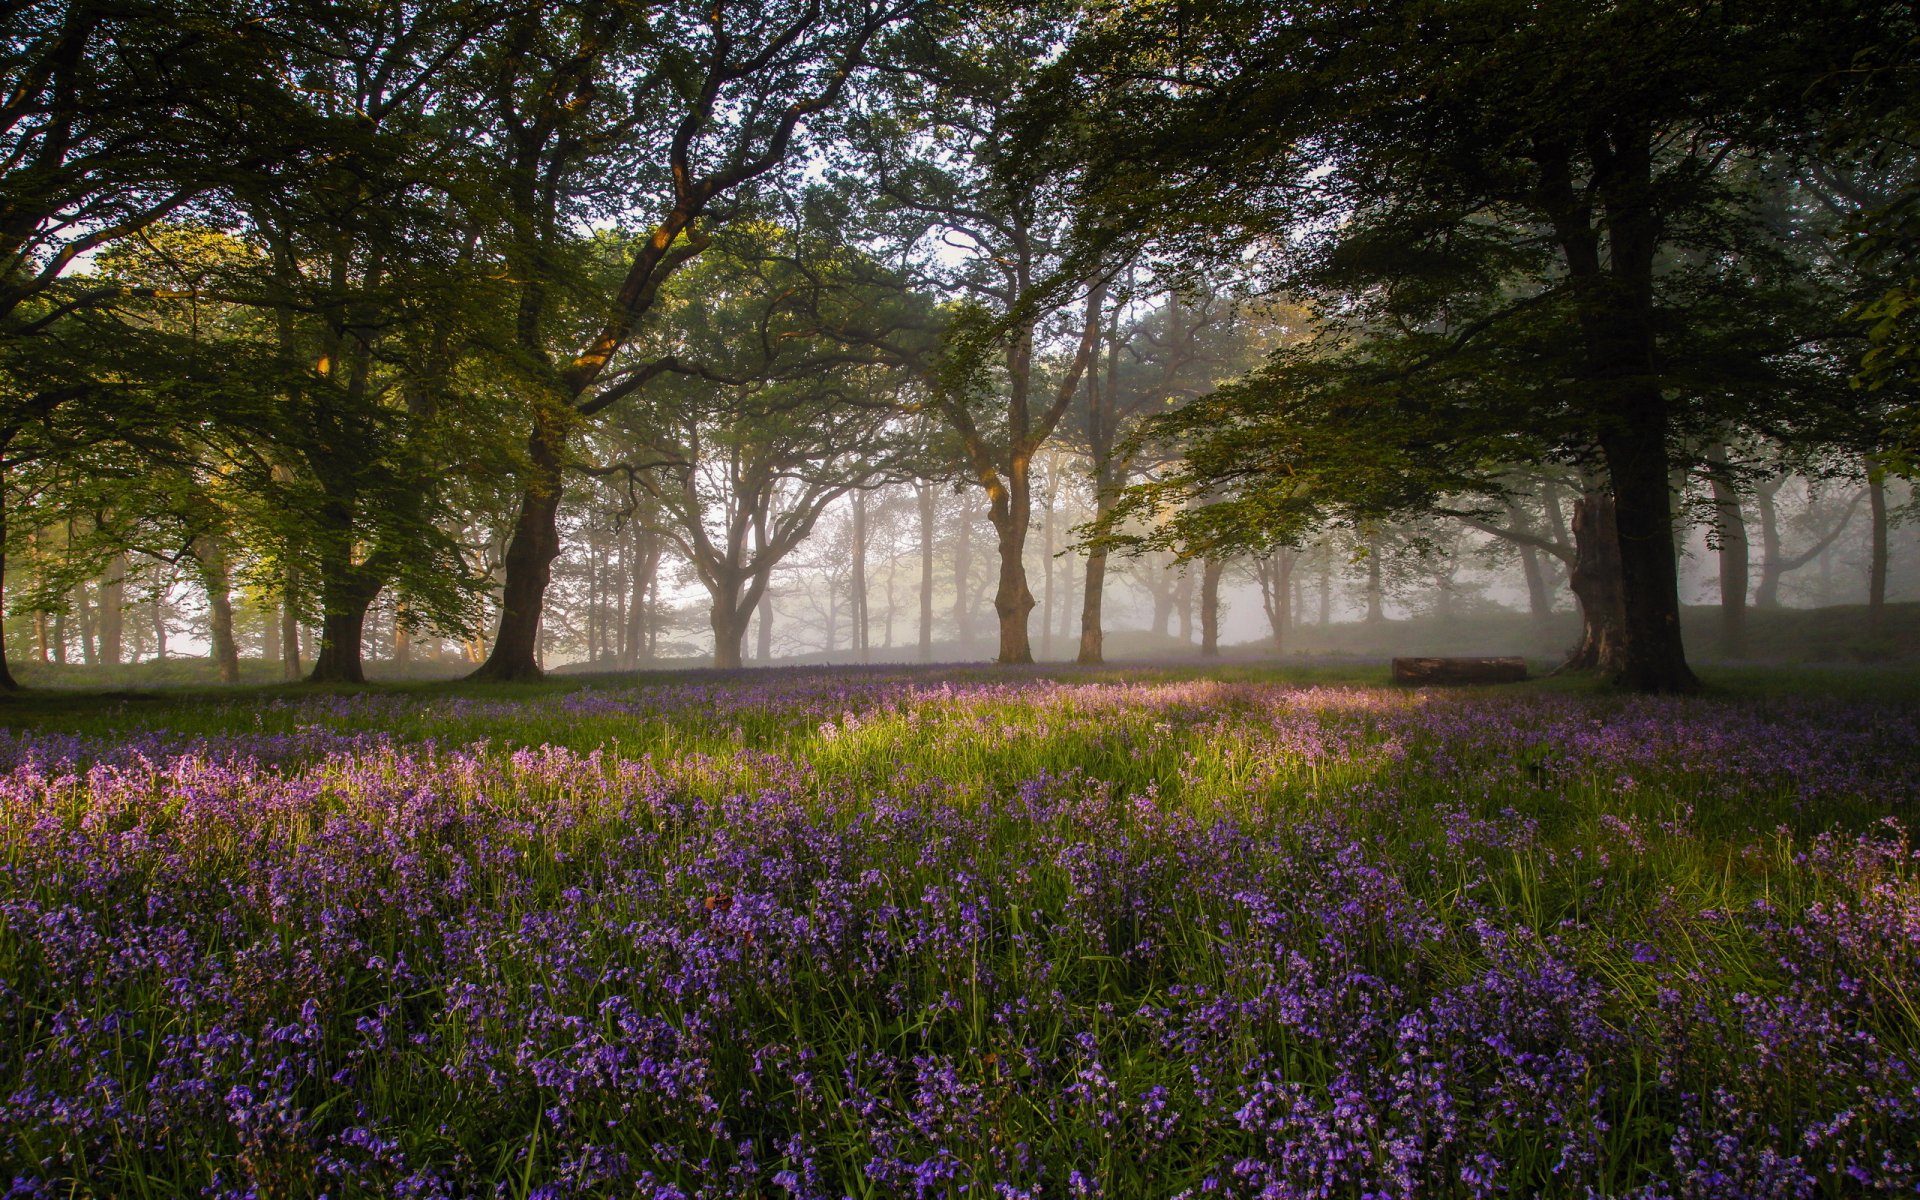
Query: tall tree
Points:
[988, 217]
[656, 117]
[1577, 153]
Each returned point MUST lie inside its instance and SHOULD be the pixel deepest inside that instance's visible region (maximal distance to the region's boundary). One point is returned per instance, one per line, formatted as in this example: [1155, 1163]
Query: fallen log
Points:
[1459, 670]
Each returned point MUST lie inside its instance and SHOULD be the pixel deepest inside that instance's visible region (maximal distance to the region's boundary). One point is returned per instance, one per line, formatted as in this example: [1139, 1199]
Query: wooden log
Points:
[1459, 670]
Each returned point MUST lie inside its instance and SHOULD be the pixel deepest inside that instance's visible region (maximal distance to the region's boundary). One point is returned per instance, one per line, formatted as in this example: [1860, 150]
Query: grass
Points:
[937, 932]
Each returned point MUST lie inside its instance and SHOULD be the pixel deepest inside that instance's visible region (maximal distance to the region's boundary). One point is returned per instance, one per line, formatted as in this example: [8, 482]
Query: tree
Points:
[988, 217]
[612, 112]
[1565, 163]
[777, 400]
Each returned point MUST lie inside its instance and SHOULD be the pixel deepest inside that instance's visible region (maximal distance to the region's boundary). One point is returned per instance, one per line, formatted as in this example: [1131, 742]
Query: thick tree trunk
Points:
[1210, 573]
[1595, 583]
[1163, 594]
[214, 577]
[113, 615]
[1730, 531]
[347, 596]
[1092, 635]
[1012, 601]
[729, 621]
[529, 562]
[925, 497]
[1636, 453]
[289, 639]
[1877, 548]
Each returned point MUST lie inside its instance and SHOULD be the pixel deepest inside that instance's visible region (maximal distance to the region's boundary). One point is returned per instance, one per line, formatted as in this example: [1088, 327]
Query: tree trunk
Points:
[289, 639]
[1046, 561]
[1210, 573]
[1635, 448]
[7, 681]
[1093, 592]
[1877, 548]
[858, 582]
[728, 619]
[1326, 586]
[529, 561]
[962, 576]
[1614, 294]
[1730, 531]
[113, 616]
[763, 628]
[1376, 598]
[83, 612]
[1012, 601]
[1539, 595]
[1767, 594]
[1595, 583]
[347, 596]
[1183, 603]
[1163, 593]
[402, 637]
[214, 577]
[159, 622]
[924, 494]
[1275, 573]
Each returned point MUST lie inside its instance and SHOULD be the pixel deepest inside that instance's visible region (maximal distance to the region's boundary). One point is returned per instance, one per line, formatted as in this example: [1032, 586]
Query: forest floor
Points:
[1834, 636]
[1128, 932]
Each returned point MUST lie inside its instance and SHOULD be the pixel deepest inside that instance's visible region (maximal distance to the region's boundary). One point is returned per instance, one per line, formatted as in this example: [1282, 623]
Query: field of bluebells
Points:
[905, 934]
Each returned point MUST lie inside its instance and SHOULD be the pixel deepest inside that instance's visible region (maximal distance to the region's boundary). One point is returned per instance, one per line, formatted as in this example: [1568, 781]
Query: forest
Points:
[492, 338]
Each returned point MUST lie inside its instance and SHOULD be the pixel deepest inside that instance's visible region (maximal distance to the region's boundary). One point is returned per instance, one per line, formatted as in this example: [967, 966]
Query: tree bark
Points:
[1275, 573]
[1595, 582]
[1210, 572]
[529, 561]
[289, 636]
[7, 682]
[1183, 603]
[1163, 593]
[1730, 530]
[1012, 601]
[857, 584]
[215, 578]
[1376, 606]
[159, 621]
[728, 621]
[1614, 298]
[1877, 547]
[346, 596]
[924, 494]
[84, 610]
[113, 616]
[962, 578]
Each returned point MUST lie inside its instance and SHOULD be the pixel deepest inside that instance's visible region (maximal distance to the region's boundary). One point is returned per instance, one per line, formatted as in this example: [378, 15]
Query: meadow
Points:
[923, 933]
